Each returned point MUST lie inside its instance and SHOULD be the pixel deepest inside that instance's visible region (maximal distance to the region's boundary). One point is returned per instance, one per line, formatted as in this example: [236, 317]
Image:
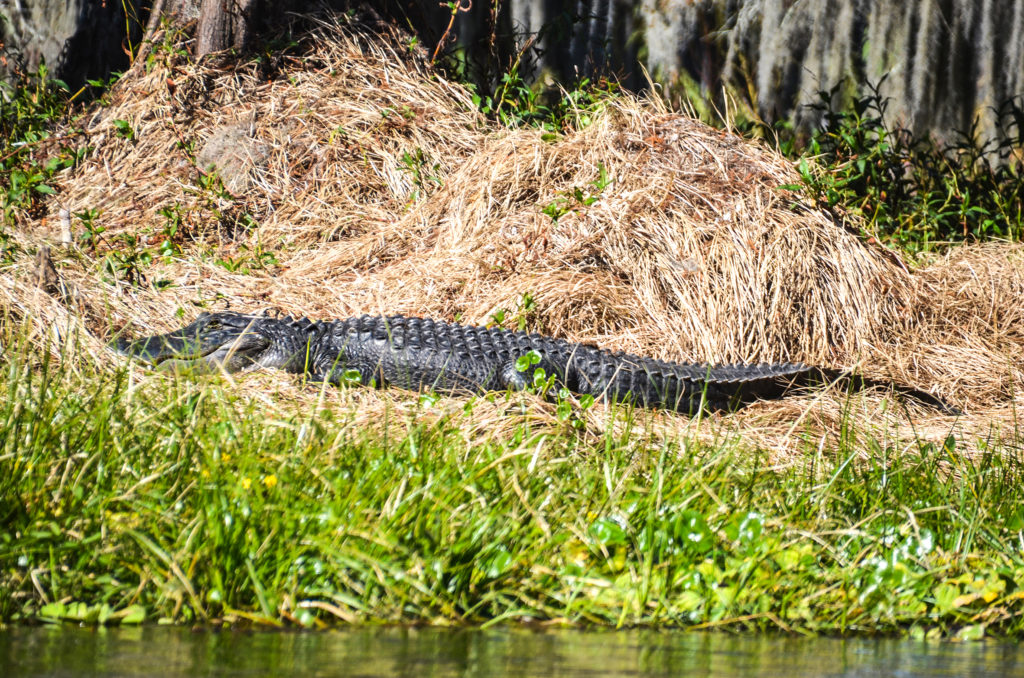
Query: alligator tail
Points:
[681, 387]
[858, 382]
[689, 388]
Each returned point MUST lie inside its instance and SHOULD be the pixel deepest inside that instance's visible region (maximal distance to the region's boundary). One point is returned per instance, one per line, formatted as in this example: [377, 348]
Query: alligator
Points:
[419, 353]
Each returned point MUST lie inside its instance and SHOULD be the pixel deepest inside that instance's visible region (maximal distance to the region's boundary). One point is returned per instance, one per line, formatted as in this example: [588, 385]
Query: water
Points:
[438, 653]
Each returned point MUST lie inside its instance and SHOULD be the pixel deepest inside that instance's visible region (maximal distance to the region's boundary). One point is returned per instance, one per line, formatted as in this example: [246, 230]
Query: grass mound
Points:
[342, 176]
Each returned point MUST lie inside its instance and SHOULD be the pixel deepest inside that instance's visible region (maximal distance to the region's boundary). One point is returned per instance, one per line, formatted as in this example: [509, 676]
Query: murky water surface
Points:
[67, 651]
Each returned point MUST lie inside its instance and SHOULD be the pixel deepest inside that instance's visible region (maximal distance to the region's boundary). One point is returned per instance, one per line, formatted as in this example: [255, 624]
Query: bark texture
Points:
[78, 39]
[941, 63]
[225, 24]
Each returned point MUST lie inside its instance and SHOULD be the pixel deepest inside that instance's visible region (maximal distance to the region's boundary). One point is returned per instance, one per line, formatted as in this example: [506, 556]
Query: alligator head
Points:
[230, 341]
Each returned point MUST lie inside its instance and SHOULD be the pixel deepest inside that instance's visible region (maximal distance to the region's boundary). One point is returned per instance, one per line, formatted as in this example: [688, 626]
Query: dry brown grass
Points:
[692, 253]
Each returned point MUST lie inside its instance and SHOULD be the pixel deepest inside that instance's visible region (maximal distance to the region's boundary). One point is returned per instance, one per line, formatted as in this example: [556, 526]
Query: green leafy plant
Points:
[92, 234]
[247, 263]
[501, 72]
[515, 103]
[912, 191]
[424, 173]
[576, 199]
[169, 232]
[127, 260]
[566, 413]
[124, 129]
[30, 104]
[525, 309]
[8, 248]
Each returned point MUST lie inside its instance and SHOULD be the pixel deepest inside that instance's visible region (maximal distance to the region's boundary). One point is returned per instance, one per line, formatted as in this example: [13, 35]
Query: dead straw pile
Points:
[353, 179]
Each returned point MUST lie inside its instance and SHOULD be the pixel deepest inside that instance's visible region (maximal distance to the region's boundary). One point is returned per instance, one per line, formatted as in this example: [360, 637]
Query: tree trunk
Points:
[224, 24]
[180, 10]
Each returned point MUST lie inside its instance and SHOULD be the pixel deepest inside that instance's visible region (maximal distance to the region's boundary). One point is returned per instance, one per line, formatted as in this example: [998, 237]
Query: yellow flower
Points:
[270, 481]
[246, 483]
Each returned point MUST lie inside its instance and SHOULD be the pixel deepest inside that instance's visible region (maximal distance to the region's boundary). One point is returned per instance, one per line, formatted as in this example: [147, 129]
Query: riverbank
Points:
[346, 177]
[132, 496]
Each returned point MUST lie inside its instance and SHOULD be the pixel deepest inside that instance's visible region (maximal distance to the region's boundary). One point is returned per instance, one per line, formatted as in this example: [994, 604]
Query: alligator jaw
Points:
[206, 345]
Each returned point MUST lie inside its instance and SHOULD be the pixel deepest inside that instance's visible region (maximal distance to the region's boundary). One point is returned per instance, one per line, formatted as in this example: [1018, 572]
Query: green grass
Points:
[179, 500]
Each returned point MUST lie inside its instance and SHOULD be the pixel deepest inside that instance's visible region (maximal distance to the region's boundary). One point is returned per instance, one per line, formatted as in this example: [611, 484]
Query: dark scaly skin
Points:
[418, 353]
